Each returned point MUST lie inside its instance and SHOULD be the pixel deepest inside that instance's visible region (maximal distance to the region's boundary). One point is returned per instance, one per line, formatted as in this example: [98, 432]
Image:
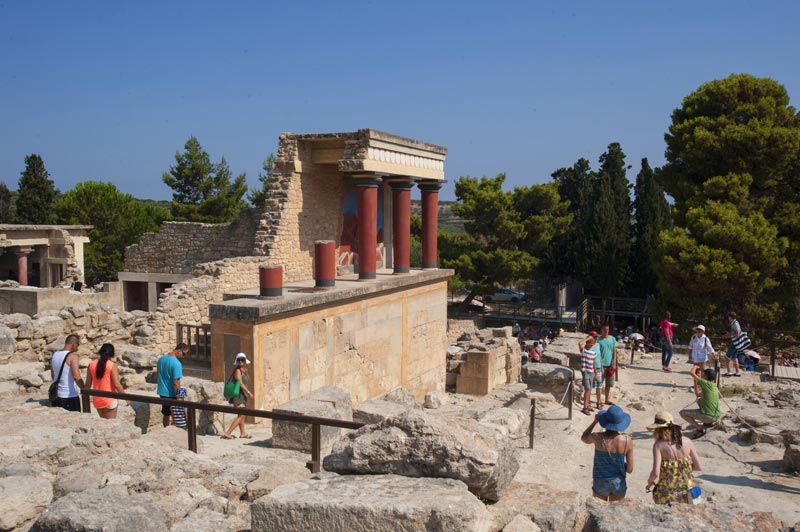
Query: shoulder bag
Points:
[741, 342]
[52, 391]
[232, 387]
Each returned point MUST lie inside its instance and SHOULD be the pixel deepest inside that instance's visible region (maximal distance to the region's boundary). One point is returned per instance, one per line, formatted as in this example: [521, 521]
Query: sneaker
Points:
[737, 374]
[667, 369]
[728, 375]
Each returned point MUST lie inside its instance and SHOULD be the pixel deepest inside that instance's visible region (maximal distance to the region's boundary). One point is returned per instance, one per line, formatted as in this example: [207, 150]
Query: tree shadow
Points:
[658, 384]
[744, 481]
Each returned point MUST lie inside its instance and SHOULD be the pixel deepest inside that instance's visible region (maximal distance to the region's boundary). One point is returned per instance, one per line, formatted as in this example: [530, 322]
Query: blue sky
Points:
[110, 90]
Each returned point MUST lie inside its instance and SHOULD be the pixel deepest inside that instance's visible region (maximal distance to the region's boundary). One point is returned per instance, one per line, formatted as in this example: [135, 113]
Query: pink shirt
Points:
[666, 329]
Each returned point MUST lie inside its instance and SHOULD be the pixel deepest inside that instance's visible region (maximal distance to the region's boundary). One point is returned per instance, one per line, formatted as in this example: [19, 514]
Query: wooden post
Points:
[571, 393]
[772, 355]
[87, 403]
[533, 421]
[314, 464]
[191, 429]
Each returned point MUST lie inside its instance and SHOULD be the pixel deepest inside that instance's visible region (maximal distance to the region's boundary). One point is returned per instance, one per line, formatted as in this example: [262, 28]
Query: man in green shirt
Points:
[607, 350]
[708, 398]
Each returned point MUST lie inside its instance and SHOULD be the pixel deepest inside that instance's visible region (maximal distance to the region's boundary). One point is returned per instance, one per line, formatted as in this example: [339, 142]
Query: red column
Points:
[367, 189]
[401, 225]
[22, 265]
[430, 222]
[270, 281]
[324, 263]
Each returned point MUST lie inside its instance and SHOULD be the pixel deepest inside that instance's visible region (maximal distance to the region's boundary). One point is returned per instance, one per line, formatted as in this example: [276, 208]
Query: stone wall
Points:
[178, 247]
[482, 360]
[31, 301]
[300, 209]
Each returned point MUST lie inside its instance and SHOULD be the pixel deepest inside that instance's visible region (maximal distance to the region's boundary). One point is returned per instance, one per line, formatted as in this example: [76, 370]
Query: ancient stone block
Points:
[22, 498]
[329, 401]
[102, 510]
[137, 357]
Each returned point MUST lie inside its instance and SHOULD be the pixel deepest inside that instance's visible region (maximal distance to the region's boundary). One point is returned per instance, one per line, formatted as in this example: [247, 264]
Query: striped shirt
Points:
[588, 360]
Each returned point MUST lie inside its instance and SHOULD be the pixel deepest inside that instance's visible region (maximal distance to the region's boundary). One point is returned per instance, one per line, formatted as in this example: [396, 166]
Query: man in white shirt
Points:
[70, 381]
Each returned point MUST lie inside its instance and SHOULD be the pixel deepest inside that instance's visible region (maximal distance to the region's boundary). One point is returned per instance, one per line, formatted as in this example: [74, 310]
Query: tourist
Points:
[170, 373]
[239, 374]
[667, 338]
[613, 454]
[102, 374]
[591, 370]
[515, 329]
[179, 412]
[68, 374]
[732, 354]
[607, 349]
[707, 398]
[536, 354]
[699, 349]
[525, 358]
[674, 462]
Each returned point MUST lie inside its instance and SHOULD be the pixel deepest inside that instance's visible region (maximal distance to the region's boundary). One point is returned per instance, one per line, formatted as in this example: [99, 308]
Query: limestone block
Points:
[105, 509]
[137, 357]
[8, 346]
[502, 332]
[32, 379]
[377, 410]
[382, 503]
[16, 370]
[48, 327]
[22, 498]
[417, 444]
[402, 396]
[432, 400]
[473, 385]
[553, 510]
[791, 458]
[330, 402]
[521, 524]
[546, 376]
[275, 473]
[22, 323]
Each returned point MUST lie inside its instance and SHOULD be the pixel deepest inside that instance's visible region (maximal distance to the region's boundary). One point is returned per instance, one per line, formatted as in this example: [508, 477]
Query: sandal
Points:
[587, 411]
[698, 434]
[228, 437]
[247, 436]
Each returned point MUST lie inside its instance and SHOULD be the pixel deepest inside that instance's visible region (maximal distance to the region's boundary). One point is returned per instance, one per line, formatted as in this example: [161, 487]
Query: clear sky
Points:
[109, 91]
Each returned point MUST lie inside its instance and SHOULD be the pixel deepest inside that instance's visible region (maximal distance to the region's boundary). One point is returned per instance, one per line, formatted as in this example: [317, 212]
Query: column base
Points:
[325, 283]
[270, 292]
[430, 266]
[367, 276]
[402, 269]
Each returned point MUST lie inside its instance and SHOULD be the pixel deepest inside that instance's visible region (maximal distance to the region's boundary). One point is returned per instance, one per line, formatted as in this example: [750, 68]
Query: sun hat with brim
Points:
[240, 356]
[614, 419]
[701, 328]
[663, 419]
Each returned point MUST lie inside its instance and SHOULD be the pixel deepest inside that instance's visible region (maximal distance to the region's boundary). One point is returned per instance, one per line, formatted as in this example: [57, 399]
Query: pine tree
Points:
[6, 205]
[202, 190]
[37, 194]
[651, 216]
[608, 247]
[258, 196]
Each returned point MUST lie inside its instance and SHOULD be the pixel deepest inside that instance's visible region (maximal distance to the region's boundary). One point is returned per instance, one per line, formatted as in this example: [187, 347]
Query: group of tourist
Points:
[103, 375]
[598, 367]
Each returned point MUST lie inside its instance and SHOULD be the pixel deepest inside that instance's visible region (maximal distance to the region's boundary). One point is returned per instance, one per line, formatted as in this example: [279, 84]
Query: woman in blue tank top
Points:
[613, 453]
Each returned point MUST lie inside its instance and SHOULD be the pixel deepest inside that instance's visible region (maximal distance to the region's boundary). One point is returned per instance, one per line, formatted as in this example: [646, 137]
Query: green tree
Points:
[36, 193]
[569, 259]
[119, 220]
[6, 205]
[203, 191]
[608, 246]
[733, 162]
[258, 196]
[651, 216]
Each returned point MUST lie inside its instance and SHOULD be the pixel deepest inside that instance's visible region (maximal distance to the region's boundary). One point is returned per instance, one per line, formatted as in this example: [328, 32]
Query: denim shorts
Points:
[605, 487]
[588, 380]
[732, 353]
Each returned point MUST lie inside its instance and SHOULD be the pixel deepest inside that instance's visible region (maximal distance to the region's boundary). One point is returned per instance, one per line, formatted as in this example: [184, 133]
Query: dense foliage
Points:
[257, 196]
[37, 194]
[6, 205]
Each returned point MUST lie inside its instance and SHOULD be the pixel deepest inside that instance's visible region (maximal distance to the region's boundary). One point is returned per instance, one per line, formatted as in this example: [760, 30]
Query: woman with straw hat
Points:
[613, 453]
[674, 462]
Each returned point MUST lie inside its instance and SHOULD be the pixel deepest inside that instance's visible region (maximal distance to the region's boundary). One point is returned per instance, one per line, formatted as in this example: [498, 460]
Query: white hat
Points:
[240, 356]
[700, 328]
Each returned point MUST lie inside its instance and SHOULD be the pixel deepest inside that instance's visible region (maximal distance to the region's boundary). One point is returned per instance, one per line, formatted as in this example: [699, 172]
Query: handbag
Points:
[741, 342]
[52, 391]
[232, 387]
[695, 495]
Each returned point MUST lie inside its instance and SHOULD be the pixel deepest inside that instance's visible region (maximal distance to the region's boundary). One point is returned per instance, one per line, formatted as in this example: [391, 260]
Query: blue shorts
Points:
[605, 487]
[598, 382]
[732, 353]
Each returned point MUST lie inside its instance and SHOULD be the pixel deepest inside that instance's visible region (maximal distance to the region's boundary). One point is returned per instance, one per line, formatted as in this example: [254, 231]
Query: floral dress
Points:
[675, 481]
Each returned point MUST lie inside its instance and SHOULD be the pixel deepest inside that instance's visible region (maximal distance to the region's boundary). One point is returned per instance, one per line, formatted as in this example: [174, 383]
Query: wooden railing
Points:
[191, 417]
[198, 338]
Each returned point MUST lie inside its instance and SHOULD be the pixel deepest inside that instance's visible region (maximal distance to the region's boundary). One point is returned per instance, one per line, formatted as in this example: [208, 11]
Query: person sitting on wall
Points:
[707, 398]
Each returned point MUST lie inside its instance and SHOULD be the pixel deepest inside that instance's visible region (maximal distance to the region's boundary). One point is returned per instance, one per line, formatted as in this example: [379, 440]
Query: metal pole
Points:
[314, 464]
[716, 369]
[571, 393]
[533, 421]
[192, 429]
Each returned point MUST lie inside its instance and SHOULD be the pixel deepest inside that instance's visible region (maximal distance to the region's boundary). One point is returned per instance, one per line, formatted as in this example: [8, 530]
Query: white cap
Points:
[701, 327]
[240, 356]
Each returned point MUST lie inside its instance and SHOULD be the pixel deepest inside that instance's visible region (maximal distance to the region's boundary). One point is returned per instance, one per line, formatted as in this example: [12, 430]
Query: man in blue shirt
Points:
[170, 373]
[607, 347]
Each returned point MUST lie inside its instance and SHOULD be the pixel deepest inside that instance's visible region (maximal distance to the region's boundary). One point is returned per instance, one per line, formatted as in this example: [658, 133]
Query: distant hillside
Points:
[447, 220]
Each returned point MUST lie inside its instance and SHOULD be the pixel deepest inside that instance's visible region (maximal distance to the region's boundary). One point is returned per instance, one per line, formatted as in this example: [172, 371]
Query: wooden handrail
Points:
[192, 406]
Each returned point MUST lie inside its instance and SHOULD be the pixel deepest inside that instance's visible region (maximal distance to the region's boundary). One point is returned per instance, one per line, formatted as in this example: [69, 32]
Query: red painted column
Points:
[430, 222]
[324, 263]
[22, 265]
[367, 191]
[401, 225]
[270, 281]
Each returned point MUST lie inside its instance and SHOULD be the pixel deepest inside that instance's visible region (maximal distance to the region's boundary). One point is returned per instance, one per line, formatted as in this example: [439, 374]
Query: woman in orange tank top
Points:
[102, 374]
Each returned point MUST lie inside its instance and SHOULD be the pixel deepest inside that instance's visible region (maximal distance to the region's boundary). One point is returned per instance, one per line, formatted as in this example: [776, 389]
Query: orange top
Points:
[103, 383]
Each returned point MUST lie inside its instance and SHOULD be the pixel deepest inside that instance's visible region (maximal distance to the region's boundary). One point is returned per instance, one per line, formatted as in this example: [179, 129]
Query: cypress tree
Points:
[6, 205]
[651, 216]
[37, 194]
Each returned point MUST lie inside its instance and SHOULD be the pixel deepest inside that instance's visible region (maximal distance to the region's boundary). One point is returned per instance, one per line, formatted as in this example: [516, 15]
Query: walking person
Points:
[68, 374]
[674, 462]
[733, 354]
[707, 399]
[591, 371]
[607, 349]
[613, 454]
[241, 375]
[170, 373]
[666, 340]
[699, 349]
[102, 374]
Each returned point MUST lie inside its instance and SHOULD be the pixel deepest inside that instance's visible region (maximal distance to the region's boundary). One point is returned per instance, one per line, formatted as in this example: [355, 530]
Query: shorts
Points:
[697, 415]
[605, 487]
[588, 379]
[166, 410]
[732, 353]
[73, 404]
[608, 379]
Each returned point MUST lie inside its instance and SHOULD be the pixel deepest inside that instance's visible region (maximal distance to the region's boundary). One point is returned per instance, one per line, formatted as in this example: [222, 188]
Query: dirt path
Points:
[744, 477]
